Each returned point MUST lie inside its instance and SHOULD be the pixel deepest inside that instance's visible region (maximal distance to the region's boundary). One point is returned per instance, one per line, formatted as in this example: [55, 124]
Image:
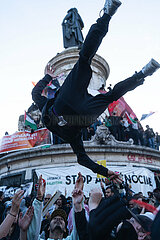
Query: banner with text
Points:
[64, 178]
[26, 139]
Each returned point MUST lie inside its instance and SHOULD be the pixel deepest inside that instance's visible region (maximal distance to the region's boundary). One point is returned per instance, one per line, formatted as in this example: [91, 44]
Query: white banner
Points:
[64, 178]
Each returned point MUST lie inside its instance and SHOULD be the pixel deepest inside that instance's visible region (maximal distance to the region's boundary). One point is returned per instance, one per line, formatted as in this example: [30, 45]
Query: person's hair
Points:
[156, 190]
[64, 201]
[110, 187]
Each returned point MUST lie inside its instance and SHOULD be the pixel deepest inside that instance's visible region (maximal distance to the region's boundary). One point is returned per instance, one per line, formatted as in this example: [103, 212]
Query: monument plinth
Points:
[65, 61]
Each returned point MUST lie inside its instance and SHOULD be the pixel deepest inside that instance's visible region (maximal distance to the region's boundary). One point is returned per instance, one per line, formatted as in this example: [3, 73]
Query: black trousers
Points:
[74, 100]
[73, 97]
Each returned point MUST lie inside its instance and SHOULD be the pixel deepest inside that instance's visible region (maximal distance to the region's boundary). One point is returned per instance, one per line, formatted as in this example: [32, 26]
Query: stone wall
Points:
[65, 61]
[24, 162]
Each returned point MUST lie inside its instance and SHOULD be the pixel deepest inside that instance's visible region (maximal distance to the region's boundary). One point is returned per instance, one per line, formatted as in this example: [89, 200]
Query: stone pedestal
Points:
[65, 61]
[22, 164]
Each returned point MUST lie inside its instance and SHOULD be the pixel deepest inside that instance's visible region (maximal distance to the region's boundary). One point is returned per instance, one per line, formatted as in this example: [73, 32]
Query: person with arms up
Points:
[30, 224]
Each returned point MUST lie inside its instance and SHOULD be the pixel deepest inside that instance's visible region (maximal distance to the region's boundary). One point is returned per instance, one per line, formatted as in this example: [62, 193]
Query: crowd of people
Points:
[123, 130]
[111, 211]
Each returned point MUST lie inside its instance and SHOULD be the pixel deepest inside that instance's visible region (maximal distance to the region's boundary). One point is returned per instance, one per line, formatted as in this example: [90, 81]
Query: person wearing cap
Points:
[58, 222]
[138, 227]
[58, 225]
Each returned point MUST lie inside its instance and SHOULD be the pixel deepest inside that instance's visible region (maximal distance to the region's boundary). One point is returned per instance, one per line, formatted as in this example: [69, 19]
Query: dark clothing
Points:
[73, 101]
[150, 135]
[127, 232]
[134, 133]
[136, 210]
[102, 220]
[156, 227]
[110, 212]
[157, 137]
[115, 120]
[115, 127]
[2, 208]
[81, 225]
[15, 234]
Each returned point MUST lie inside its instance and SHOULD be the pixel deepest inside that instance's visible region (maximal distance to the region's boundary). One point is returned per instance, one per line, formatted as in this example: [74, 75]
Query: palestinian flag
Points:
[28, 121]
[130, 120]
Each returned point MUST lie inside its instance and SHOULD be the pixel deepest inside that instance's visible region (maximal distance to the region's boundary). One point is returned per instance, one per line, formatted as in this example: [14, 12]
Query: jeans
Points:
[151, 142]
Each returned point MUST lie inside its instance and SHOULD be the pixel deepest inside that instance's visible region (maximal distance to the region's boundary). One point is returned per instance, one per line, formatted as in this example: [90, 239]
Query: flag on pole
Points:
[51, 88]
[144, 116]
[28, 121]
[130, 120]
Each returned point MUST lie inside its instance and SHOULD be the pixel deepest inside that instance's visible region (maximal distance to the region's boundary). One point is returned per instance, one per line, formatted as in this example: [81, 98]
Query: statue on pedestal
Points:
[72, 26]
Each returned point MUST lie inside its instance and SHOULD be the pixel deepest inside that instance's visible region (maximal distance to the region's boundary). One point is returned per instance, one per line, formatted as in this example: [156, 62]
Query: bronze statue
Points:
[72, 26]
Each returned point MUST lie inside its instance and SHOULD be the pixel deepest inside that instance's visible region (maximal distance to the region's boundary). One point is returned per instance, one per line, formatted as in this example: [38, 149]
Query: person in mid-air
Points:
[72, 107]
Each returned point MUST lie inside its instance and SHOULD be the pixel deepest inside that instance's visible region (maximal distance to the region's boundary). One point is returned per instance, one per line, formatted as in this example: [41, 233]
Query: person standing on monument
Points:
[72, 107]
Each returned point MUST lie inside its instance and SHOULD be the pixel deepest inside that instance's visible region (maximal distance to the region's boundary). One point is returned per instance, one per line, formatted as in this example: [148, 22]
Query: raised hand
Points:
[79, 182]
[102, 185]
[77, 196]
[24, 221]
[94, 198]
[115, 177]
[16, 202]
[49, 69]
[41, 188]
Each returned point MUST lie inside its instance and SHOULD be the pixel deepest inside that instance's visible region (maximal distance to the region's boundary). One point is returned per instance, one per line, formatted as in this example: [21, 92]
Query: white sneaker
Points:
[150, 68]
[110, 6]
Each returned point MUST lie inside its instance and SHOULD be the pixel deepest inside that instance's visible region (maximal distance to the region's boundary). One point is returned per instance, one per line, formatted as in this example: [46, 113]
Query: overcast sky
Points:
[31, 34]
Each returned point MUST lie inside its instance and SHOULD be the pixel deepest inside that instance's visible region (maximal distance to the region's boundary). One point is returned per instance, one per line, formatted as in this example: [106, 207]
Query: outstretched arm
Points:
[24, 222]
[84, 160]
[37, 90]
[80, 218]
[7, 223]
[34, 227]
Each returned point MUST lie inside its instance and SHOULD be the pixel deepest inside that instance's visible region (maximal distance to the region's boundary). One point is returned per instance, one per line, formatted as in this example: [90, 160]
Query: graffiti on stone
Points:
[140, 158]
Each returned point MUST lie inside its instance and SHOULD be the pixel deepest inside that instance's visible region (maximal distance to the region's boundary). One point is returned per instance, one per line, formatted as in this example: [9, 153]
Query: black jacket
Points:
[70, 133]
[127, 232]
